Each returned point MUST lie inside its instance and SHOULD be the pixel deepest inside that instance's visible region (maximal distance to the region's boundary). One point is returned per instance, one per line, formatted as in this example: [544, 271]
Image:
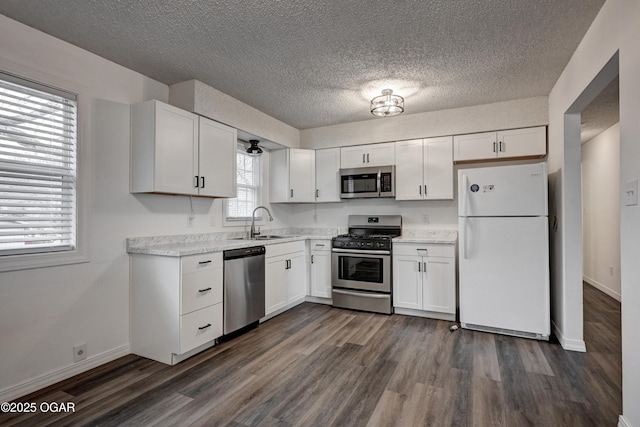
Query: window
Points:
[38, 145]
[248, 190]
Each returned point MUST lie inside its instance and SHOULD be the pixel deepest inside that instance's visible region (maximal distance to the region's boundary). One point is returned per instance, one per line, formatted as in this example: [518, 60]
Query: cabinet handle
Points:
[204, 290]
[292, 192]
[197, 179]
[425, 191]
[495, 146]
[208, 325]
[424, 267]
[367, 157]
[500, 146]
[317, 193]
[363, 157]
[311, 259]
[419, 266]
[205, 262]
[202, 185]
[420, 189]
[320, 245]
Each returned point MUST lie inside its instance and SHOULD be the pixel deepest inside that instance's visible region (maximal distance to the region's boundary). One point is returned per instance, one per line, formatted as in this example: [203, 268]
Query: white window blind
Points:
[248, 187]
[38, 144]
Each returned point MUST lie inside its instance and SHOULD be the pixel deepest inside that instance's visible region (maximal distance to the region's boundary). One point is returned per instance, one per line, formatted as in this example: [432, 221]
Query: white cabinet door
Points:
[523, 142]
[475, 146]
[217, 159]
[275, 283]
[409, 173]
[302, 175]
[439, 291]
[381, 154]
[296, 277]
[164, 149]
[368, 155]
[321, 272]
[328, 175]
[353, 157]
[292, 176]
[438, 168]
[407, 281]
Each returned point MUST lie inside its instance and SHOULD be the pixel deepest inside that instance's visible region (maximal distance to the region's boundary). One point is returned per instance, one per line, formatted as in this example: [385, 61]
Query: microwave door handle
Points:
[379, 182]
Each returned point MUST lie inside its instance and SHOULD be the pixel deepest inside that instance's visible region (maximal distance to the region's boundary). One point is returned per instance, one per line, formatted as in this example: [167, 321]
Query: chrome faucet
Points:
[253, 232]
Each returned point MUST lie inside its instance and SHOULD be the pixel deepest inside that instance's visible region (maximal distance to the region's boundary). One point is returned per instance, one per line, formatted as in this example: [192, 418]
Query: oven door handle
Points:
[359, 294]
[360, 252]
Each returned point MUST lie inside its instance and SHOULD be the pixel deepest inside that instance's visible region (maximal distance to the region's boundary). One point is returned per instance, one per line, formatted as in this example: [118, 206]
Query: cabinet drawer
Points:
[284, 248]
[200, 262]
[201, 289]
[447, 251]
[200, 327]
[320, 245]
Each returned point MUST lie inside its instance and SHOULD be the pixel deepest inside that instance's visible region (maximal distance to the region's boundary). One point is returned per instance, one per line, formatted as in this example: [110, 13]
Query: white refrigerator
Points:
[504, 250]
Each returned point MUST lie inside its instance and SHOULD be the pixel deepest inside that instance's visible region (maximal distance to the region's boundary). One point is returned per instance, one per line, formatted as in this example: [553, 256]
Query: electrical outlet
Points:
[79, 352]
[425, 219]
[190, 219]
[631, 192]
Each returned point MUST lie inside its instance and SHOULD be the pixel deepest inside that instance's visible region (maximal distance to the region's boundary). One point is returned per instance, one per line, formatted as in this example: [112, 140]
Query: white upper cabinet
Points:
[328, 175]
[217, 159]
[367, 155]
[177, 152]
[292, 176]
[425, 169]
[508, 144]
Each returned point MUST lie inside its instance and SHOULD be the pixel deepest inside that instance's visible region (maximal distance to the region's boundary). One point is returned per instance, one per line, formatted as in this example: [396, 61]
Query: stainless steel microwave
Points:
[367, 182]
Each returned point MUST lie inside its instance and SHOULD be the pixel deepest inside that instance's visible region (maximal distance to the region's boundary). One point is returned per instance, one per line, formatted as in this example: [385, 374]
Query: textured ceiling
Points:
[316, 63]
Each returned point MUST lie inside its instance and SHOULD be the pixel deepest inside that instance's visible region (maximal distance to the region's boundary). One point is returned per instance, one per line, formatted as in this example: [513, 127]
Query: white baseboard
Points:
[318, 300]
[599, 286]
[567, 344]
[35, 384]
[426, 314]
[622, 422]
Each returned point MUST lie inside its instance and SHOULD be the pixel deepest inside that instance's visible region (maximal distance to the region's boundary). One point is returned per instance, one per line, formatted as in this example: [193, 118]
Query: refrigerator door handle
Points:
[463, 237]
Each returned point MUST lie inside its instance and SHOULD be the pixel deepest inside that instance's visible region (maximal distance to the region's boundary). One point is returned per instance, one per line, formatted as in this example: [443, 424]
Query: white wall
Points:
[614, 30]
[601, 211]
[44, 312]
[480, 118]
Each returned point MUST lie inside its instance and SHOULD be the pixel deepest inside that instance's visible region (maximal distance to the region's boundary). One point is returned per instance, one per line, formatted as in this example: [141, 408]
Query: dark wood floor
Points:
[316, 365]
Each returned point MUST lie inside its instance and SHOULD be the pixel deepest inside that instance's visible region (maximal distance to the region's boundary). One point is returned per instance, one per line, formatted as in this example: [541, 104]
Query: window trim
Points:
[242, 221]
[26, 261]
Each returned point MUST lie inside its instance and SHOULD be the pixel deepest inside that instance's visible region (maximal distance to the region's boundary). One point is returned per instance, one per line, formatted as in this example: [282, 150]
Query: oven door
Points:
[361, 270]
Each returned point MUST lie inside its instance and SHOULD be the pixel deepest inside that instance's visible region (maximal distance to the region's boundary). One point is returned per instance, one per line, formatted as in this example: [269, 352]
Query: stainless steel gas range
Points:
[361, 263]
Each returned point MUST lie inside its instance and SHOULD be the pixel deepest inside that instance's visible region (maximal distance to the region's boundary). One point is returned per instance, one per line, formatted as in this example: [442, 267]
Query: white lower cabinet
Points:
[424, 280]
[285, 276]
[176, 304]
[320, 277]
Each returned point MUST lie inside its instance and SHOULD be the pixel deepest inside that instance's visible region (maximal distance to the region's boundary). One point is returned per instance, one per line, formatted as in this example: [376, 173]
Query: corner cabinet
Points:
[176, 305]
[176, 152]
[292, 176]
[285, 276]
[508, 144]
[425, 169]
[424, 280]
[328, 175]
[368, 155]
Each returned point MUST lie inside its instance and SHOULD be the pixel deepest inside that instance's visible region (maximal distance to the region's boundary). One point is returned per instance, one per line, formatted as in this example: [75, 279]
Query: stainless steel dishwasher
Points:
[243, 287]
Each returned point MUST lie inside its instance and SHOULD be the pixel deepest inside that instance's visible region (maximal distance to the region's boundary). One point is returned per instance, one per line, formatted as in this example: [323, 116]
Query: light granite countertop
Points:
[192, 244]
[431, 236]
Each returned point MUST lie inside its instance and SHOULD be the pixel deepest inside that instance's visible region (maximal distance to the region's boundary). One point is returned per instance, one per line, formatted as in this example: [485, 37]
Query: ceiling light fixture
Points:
[254, 150]
[387, 104]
